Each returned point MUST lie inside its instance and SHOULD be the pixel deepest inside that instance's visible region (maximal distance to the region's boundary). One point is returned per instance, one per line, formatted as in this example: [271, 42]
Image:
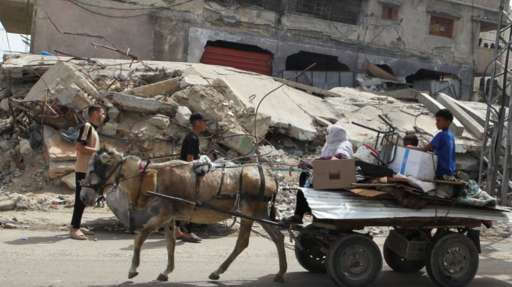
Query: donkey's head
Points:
[104, 170]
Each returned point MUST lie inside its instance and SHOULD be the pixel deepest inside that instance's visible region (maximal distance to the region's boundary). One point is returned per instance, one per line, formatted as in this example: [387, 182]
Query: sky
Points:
[10, 42]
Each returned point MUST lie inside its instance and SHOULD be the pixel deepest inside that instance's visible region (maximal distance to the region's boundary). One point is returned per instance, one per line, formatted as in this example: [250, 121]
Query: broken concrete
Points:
[469, 123]
[69, 181]
[58, 169]
[4, 105]
[66, 83]
[142, 105]
[108, 129]
[193, 80]
[160, 121]
[434, 106]
[218, 110]
[166, 87]
[55, 147]
[113, 113]
[403, 94]
[478, 117]
[182, 116]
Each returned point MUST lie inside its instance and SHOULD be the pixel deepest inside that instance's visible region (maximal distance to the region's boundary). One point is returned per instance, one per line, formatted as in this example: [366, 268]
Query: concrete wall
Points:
[61, 25]
[181, 33]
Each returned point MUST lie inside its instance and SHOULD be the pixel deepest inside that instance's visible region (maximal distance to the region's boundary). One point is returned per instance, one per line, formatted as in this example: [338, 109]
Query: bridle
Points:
[100, 186]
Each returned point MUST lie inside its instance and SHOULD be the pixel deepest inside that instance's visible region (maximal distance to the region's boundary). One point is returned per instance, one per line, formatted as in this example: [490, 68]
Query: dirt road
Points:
[49, 258]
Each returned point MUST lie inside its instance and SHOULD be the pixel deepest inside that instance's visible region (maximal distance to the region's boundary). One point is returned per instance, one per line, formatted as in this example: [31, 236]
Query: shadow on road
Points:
[304, 279]
[39, 239]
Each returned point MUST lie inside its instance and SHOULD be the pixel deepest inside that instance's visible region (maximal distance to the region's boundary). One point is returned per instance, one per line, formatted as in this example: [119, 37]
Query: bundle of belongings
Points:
[405, 174]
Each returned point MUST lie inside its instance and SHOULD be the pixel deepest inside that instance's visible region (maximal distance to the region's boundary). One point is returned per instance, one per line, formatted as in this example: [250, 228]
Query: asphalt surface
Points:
[50, 258]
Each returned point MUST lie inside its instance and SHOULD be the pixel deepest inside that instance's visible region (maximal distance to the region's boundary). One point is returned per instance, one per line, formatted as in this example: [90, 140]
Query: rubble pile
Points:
[149, 103]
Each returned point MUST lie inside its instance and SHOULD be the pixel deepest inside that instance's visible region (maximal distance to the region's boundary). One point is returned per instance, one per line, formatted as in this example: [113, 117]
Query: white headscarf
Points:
[337, 142]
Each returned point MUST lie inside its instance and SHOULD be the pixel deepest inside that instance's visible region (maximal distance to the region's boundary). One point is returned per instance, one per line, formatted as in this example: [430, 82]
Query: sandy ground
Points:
[42, 255]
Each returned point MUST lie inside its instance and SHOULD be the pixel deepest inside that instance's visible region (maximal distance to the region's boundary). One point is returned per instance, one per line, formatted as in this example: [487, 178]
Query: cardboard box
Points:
[415, 163]
[334, 174]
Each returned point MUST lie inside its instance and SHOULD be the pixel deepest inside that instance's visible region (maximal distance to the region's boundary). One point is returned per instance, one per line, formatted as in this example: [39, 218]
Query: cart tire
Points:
[309, 254]
[453, 261]
[399, 264]
[354, 261]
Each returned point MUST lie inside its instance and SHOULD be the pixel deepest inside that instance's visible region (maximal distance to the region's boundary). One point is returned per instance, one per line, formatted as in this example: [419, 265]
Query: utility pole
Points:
[497, 143]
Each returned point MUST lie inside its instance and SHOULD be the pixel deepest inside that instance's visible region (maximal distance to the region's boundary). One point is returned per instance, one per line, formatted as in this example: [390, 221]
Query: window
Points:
[441, 26]
[390, 12]
[344, 11]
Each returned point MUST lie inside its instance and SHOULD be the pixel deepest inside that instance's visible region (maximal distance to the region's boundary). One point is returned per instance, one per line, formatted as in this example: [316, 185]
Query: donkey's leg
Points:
[170, 236]
[241, 243]
[154, 223]
[278, 239]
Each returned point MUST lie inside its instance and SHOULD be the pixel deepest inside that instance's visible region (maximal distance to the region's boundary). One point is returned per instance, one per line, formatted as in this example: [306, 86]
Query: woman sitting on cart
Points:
[337, 146]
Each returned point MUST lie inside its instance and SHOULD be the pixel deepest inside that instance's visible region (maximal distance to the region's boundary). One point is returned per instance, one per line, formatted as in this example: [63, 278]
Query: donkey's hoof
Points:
[279, 279]
[214, 276]
[162, 278]
[132, 274]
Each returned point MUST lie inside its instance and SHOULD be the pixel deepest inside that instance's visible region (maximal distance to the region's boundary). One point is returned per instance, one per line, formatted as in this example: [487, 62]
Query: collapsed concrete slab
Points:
[67, 84]
[478, 117]
[142, 105]
[165, 87]
[469, 123]
[434, 106]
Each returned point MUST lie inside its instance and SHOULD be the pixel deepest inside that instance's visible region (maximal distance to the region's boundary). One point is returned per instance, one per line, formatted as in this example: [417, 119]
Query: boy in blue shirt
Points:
[443, 145]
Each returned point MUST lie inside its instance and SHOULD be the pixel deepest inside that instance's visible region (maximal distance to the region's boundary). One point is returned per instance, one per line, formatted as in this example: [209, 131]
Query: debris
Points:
[24, 147]
[142, 105]
[160, 121]
[64, 82]
[378, 72]
[4, 105]
[469, 123]
[55, 147]
[166, 87]
[6, 125]
[434, 106]
[215, 107]
[69, 180]
[109, 129]
[7, 204]
[58, 169]
[182, 116]
[113, 113]
[193, 80]
[407, 94]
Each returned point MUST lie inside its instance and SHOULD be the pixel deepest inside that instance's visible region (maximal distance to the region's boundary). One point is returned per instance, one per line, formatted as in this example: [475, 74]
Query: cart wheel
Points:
[354, 261]
[453, 261]
[308, 251]
[400, 264]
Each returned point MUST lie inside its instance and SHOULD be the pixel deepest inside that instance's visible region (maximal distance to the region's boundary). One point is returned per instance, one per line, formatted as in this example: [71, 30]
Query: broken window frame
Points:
[330, 10]
[445, 22]
[390, 12]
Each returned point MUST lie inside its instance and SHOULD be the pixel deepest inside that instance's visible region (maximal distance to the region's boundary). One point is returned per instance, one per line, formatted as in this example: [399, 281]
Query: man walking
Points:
[190, 152]
[87, 144]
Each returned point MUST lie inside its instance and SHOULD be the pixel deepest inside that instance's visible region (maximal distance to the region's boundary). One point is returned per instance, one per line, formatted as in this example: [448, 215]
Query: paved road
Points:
[49, 258]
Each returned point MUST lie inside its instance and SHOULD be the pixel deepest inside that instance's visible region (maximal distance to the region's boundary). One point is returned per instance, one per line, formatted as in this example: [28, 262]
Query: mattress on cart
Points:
[337, 205]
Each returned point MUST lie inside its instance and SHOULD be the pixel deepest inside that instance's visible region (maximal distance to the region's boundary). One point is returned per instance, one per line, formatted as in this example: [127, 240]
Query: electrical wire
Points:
[84, 6]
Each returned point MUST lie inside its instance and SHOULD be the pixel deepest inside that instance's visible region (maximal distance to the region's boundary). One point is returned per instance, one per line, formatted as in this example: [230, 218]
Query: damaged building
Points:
[432, 45]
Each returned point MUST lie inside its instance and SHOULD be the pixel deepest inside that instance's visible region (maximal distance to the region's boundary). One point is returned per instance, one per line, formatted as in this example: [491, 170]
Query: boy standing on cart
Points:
[443, 145]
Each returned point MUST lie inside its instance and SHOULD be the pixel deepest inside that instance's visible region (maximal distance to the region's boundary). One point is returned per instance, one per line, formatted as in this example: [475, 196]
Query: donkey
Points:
[248, 189]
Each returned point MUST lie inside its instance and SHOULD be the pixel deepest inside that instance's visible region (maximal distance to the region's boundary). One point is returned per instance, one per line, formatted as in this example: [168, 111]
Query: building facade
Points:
[432, 44]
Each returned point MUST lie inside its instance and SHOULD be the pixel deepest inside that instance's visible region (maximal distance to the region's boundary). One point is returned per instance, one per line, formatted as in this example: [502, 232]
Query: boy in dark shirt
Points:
[443, 145]
[190, 152]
